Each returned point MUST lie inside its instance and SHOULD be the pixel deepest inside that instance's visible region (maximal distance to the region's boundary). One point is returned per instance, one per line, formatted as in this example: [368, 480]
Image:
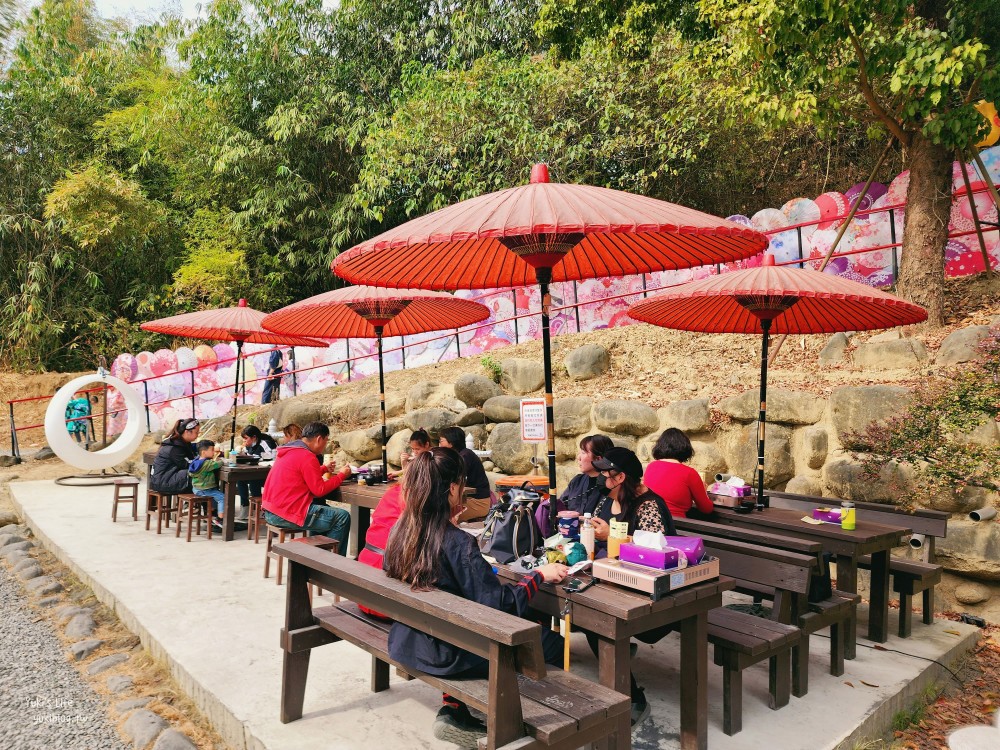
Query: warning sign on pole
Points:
[533, 420]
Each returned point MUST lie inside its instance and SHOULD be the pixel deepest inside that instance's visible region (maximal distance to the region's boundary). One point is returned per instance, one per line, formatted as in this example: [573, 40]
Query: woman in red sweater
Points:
[680, 486]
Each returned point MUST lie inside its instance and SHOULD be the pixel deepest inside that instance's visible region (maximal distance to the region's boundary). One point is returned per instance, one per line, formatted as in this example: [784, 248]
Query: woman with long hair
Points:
[427, 550]
[680, 486]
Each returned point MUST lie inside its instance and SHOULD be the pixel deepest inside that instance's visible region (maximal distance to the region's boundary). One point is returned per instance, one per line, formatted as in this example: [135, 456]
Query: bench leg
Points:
[732, 700]
[380, 675]
[506, 723]
[295, 667]
[800, 666]
[779, 679]
[847, 580]
[694, 683]
[905, 615]
[928, 605]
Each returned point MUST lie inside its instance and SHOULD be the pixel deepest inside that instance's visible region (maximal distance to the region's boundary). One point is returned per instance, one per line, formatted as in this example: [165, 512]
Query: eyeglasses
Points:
[192, 425]
[610, 473]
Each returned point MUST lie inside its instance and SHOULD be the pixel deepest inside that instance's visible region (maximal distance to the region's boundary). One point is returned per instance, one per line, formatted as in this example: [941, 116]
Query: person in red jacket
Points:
[680, 486]
[296, 481]
[384, 517]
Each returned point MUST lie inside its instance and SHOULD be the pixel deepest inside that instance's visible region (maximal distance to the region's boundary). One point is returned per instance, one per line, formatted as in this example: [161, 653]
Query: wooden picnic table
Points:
[615, 614]
[849, 546]
[364, 499]
[229, 476]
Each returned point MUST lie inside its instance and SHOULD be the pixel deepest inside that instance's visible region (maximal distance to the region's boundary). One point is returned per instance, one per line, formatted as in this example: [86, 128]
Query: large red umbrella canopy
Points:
[373, 312]
[241, 324]
[798, 300]
[776, 299]
[544, 232]
[579, 231]
[359, 311]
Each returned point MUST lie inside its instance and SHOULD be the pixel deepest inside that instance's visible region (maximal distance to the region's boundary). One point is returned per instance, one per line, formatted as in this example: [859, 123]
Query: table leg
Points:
[847, 580]
[227, 526]
[878, 607]
[361, 519]
[694, 682]
[613, 662]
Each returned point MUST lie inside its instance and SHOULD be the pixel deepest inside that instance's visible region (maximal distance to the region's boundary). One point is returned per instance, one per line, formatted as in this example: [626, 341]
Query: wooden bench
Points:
[741, 639]
[527, 706]
[909, 577]
[836, 612]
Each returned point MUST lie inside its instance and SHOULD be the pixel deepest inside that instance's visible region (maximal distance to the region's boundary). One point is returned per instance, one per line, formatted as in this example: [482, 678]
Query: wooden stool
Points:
[126, 491]
[199, 508]
[319, 542]
[254, 519]
[159, 504]
[284, 535]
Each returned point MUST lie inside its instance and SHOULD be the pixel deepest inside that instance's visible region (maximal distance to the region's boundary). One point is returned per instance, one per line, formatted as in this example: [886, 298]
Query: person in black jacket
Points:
[170, 467]
[427, 550]
[586, 489]
[479, 504]
[255, 443]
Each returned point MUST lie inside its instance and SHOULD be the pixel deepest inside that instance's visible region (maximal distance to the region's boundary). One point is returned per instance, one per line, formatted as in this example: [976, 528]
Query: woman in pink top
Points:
[680, 486]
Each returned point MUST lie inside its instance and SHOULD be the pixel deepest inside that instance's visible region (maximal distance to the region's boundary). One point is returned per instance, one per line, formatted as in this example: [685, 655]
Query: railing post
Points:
[402, 349]
[644, 292]
[458, 345]
[892, 235]
[576, 302]
[798, 233]
[347, 348]
[15, 449]
[517, 322]
[145, 390]
[295, 383]
[193, 415]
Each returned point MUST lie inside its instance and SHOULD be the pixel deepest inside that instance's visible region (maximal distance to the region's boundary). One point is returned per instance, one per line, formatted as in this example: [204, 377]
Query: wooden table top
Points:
[362, 495]
[867, 536]
[621, 602]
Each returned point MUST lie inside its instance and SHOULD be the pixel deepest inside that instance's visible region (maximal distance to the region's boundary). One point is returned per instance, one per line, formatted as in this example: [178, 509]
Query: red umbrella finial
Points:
[242, 303]
[768, 260]
[539, 173]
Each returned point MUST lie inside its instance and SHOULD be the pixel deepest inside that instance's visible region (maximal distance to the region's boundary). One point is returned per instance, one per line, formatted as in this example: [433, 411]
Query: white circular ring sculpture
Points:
[64, 446]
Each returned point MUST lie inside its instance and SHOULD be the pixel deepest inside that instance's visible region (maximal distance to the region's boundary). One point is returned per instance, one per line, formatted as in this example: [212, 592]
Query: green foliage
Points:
[492, 367]
[933, 435]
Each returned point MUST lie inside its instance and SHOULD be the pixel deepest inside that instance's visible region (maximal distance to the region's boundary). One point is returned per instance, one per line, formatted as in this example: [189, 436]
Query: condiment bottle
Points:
[587, 537]
[232, 457]
[848, 521]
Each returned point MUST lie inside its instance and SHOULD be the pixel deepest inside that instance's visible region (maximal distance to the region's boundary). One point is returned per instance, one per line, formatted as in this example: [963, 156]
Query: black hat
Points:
[622, 460]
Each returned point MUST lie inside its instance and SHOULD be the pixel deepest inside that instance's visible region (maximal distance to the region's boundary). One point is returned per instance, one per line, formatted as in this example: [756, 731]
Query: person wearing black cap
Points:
[628, 500]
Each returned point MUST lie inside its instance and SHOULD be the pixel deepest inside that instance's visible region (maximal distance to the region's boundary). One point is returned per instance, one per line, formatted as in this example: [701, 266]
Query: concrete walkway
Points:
[205, 609]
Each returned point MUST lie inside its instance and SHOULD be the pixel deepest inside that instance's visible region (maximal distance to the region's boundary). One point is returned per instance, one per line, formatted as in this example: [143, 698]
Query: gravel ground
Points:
[45, 704]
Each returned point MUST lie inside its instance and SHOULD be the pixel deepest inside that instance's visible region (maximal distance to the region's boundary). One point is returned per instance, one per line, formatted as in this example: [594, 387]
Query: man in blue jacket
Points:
[272, 386]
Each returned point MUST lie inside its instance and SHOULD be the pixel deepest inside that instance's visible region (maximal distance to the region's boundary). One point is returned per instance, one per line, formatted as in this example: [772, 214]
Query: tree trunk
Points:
[925, 228]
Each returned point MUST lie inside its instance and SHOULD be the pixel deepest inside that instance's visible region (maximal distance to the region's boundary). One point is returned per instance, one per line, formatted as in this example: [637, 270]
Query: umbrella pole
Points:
[381, 400]
[236, 396]
[762, 417]
[544, 277]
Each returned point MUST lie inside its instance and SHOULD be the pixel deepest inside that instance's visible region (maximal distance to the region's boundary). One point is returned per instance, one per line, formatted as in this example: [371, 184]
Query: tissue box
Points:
[727, 490]
[830, 515]
[661, 559]
[692, 547]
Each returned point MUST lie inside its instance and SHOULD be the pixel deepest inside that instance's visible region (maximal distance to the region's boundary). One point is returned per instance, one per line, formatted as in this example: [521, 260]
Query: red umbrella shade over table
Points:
[774, 299]
[241, 324]
[372, 312]
[540, 233]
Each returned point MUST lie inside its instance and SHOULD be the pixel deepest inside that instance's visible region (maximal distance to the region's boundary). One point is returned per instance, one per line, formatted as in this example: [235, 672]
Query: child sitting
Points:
[203, 477]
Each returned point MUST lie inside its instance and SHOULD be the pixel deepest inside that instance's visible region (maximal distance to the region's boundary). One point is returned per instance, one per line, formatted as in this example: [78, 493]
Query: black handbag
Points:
[511, 531]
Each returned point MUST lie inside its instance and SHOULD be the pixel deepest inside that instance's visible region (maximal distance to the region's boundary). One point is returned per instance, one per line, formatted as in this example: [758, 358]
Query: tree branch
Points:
[884, 116]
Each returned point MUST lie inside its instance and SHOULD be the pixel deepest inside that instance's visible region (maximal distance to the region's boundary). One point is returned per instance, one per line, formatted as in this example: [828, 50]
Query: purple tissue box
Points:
[830, 515]
[692, 547]
[661, 559]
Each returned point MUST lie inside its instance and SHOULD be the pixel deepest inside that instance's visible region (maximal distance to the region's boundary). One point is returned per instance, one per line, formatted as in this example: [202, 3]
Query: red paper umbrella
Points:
[775, 299]
[372, 312]
[544, 232]
[241, 324]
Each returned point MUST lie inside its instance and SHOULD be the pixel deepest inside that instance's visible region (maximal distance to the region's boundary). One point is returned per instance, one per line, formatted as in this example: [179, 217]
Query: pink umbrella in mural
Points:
[241, 324]
[540, 233]
[372, 312]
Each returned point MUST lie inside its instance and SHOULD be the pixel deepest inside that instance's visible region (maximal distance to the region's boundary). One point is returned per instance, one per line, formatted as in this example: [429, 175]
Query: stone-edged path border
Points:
[149, 713]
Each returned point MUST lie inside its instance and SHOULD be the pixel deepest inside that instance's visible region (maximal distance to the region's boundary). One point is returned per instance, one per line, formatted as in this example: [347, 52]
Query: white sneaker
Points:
[242, 513]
